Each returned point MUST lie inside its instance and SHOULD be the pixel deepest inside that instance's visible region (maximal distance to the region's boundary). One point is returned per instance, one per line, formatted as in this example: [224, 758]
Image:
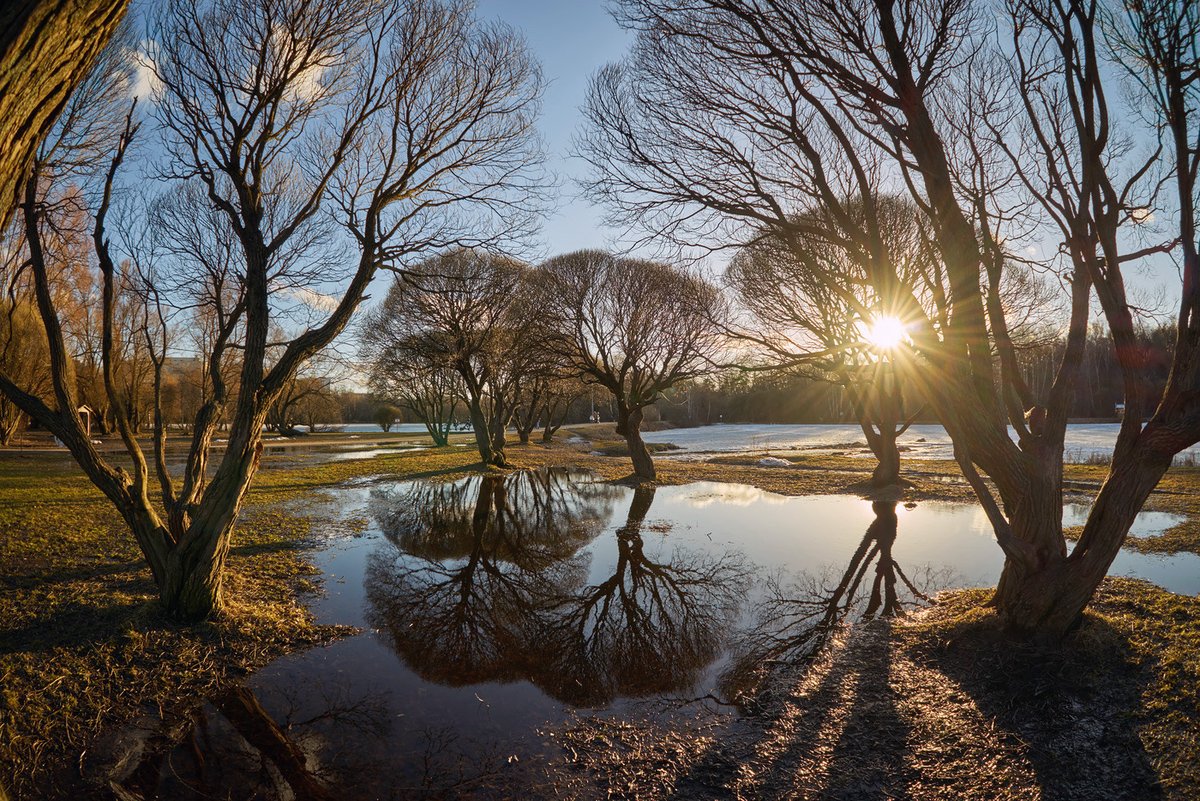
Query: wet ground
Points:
[495, 608]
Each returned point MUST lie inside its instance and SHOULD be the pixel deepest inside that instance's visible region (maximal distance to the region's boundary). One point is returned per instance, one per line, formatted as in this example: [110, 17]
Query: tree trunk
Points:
[1047, 599]
[553, 424]
[483, 437]
[882, 441]
[46, 49]
[499, 440]
[437, 434]
[629, 425]
[190, 587]
[887, 471]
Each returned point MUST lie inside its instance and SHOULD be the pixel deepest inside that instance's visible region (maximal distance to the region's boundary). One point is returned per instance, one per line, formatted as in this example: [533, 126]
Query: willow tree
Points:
[796, 321]
[329, 139]
[731, 116]
[635, 327]
[463, 309]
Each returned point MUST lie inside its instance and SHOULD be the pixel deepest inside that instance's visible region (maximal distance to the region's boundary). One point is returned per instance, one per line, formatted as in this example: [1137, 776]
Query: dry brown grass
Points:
[83, 648]
[936, 707]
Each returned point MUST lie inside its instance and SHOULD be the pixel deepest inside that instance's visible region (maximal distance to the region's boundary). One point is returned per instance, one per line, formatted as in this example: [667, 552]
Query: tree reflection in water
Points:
[461, 596]
[235, 749]
[650, 627]
[494, 588]
[797, 620]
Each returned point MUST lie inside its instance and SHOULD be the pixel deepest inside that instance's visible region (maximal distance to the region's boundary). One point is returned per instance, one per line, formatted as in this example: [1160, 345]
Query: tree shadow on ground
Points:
[76, 625]
[845, 740]
[943, 705]
[1073, 710]
[97, 603]
[886, 715]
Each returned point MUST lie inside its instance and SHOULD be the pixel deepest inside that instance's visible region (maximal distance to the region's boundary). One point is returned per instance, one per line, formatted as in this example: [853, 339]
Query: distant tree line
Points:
[965, 174]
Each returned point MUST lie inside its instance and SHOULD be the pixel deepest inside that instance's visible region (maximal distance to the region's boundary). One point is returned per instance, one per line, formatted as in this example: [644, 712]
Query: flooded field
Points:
[496, 608]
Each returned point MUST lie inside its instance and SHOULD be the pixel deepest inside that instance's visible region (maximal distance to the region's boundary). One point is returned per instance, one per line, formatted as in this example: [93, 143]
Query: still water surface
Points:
[493, 608]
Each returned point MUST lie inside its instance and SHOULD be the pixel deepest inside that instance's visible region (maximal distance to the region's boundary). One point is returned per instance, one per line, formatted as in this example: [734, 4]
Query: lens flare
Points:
[885, 333]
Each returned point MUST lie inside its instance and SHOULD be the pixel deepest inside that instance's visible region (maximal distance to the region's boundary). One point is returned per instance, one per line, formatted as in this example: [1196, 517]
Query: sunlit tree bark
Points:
[46, 48]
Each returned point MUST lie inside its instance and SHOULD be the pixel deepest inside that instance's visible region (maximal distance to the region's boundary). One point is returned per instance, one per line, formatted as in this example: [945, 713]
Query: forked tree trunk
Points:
[1047, 599]
[629, 425]
[554, 423]
[438, 434]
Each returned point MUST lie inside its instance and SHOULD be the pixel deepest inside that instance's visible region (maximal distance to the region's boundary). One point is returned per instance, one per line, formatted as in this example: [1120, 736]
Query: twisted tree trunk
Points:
[629, 425]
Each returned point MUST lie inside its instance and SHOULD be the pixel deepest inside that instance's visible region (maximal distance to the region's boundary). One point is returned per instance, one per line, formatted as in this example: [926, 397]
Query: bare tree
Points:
[309, 400]
[560, 393]
[413, 371]
[796, 321]
[636, 328]
[312, 130]
[458, 310]
[732, 116]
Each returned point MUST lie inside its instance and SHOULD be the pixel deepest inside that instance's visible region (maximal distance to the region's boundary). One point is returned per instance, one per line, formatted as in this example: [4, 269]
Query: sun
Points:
[885, 333]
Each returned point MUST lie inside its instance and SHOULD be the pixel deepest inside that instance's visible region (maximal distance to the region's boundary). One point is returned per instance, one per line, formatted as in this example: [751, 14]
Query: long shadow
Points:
[40, 577]
[880, 771]
[1072, 709]
[797, 624]
[796, 621]
[77, 625]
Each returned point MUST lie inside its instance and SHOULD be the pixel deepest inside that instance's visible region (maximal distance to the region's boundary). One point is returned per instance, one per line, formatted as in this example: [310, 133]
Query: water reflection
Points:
[235, 748]
[649, 627]
[508, 598]
[798, 615]
[487, 583]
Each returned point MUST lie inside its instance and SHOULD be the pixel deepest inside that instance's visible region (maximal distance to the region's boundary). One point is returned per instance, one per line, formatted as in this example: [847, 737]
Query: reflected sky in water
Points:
[493, 606]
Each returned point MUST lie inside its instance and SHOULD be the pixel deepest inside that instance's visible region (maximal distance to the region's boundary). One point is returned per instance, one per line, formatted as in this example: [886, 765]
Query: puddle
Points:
[493, 607]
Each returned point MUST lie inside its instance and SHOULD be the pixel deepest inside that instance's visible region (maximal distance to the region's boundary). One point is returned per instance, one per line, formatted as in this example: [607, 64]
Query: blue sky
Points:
[571, 39]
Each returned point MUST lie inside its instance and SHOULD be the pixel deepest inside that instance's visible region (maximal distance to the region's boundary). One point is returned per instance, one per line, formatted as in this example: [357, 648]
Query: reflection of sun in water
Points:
[884, 333]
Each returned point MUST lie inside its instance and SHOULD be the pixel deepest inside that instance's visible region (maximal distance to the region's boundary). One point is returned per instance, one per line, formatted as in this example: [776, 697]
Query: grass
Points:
[940, 705]
[83, 645]
[84, 649]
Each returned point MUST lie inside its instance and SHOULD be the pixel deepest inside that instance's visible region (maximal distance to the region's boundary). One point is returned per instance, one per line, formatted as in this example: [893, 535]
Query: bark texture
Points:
[629, 425]
[46, 49]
